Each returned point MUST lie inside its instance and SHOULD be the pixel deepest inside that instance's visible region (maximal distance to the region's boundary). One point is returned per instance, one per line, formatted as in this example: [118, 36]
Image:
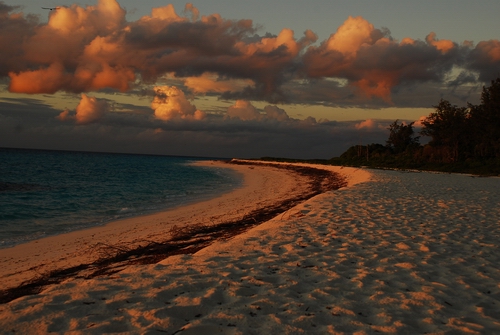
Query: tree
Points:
[401, 137]
[485, 121]
[447, 127]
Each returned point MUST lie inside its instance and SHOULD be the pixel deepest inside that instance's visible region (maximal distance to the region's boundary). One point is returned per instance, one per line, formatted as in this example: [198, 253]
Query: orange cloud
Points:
[265, 45]
[442, 45]
[94, 47]
[65, 115]
[166, 13]
[48, 80]
[343, 55]
[406, 41]
[377, 84]
[209, 82]
[89, 110]
[490, 49]
[106, 17]
[485, 60]
[350, 36]
[243, 110]
[170, 103]
[368, 124]
[88, 48]
[374, 63]
[75, 52]
[419, 123]
[92, 76]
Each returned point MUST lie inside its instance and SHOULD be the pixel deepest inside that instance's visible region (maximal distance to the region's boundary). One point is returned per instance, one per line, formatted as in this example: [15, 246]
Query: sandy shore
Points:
[405, 253]
[261, 187]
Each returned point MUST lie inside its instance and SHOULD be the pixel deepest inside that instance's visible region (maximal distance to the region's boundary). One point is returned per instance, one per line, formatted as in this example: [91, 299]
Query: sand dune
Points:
[401, 253]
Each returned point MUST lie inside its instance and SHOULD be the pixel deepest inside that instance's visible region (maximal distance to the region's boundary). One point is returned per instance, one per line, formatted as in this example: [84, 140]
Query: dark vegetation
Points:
[182, 240]
[462, 139]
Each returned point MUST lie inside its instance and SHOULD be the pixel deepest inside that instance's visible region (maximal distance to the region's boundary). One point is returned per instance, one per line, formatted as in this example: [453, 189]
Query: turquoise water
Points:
[46, 193]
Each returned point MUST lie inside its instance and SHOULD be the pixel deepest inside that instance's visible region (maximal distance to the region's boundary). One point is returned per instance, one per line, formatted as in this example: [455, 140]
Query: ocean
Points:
[44, 193]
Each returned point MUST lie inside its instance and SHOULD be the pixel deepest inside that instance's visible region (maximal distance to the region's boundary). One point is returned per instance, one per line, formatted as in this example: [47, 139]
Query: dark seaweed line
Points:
[187, 240]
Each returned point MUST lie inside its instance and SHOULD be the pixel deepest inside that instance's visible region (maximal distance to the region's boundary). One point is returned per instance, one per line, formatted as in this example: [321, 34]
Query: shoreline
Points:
[262, 186]
[401, 253]
[146, 212]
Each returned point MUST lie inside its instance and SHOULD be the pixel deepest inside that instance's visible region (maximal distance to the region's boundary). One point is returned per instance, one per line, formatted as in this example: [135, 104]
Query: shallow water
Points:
[51, 192]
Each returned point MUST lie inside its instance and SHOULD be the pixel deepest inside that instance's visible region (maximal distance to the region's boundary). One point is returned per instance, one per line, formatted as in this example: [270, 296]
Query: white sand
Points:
[261, 187]
[405, 253]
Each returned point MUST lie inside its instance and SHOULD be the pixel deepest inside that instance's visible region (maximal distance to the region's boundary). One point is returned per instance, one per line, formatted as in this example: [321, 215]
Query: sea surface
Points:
[45, 193]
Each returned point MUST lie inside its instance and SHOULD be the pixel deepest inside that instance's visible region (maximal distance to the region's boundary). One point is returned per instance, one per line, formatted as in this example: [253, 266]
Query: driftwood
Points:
[182, 240]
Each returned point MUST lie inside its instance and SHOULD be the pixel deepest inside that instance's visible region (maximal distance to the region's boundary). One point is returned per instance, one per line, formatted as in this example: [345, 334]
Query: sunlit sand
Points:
[393, 252]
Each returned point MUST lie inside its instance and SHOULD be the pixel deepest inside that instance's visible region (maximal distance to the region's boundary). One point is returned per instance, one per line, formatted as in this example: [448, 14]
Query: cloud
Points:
[418, 123]
[195, 13]
[484, 59]
[211, 83]
[350, 36]
[141, 133]
[369, 124]
[373, 62]
[14, 29]
[243, 110]
[276, 113]
[46, 80]
[91, 48]
[94, 47]
[170, 103]
[442, 45]
[89, 110]
[373, 125]
[75, 51]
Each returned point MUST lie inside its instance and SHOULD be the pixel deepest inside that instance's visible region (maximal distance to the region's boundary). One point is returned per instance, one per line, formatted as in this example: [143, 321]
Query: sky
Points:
[298, 79]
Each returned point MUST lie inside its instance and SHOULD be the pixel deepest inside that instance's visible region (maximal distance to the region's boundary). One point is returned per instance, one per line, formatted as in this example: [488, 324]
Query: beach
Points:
[263, 186]
[390, 252]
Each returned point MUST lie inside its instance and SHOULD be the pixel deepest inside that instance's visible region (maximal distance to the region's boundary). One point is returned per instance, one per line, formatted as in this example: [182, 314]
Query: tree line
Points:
[462, 139]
